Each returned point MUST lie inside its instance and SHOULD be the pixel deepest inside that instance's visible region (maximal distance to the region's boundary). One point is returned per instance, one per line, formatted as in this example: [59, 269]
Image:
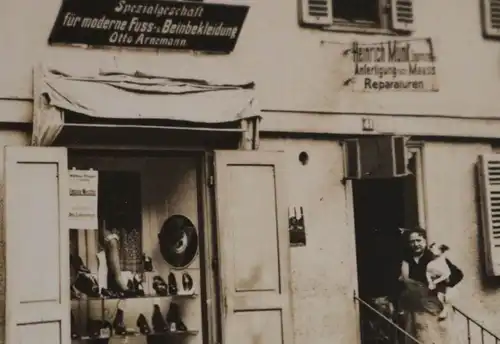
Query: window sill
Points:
[360, 30]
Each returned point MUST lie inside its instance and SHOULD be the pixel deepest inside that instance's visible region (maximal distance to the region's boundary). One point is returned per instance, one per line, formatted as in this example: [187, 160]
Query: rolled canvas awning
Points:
[139, 100]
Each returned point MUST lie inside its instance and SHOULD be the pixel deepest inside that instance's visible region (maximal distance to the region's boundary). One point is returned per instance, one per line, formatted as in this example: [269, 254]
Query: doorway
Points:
[381, 208]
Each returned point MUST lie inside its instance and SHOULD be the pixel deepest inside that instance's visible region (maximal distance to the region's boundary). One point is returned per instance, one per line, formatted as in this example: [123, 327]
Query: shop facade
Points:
[230, 147]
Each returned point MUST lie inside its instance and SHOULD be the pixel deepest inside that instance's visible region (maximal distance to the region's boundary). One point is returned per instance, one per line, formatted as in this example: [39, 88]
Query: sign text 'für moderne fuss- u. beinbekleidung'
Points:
[179, 25]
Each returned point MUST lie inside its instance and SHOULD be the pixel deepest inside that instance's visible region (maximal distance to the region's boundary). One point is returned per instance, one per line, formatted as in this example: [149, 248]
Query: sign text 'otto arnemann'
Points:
[156, 24]
[392, 66]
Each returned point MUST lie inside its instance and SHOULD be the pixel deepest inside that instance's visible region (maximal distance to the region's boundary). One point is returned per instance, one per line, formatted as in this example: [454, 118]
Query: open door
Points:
[254, 247]
[37, 250]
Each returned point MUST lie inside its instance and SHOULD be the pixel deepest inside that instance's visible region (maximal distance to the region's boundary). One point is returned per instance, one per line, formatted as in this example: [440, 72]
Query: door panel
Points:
[253, 234]
[37, 253]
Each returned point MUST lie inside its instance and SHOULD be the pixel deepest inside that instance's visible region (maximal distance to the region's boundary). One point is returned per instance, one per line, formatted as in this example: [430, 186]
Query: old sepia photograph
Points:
[250, 172]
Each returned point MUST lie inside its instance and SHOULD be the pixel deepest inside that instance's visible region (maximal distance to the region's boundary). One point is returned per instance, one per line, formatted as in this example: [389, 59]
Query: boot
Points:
[172, 284]
[148, 263]
[160, 287]
[118, 323]
[173, 318]
[187, 283]
[74, 333]
[159, 325]
[142, 324]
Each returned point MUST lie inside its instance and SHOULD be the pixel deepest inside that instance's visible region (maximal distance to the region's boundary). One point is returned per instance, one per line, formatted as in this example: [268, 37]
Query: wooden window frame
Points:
[397, 17]
[417, 148]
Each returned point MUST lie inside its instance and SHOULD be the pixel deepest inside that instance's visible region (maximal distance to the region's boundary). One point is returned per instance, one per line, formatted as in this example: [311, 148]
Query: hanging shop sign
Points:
[158, 24]
[83, 186]
[394, 65]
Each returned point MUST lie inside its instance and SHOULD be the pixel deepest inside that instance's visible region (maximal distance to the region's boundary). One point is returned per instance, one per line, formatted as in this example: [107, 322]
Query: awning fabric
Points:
[122, 96]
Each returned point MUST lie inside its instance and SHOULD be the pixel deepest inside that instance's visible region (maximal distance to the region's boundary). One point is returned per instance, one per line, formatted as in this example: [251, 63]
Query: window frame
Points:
[397, 18]
[417, 148]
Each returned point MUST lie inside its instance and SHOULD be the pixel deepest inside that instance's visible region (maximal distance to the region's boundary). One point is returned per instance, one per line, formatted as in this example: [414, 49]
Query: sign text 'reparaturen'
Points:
[179, 25]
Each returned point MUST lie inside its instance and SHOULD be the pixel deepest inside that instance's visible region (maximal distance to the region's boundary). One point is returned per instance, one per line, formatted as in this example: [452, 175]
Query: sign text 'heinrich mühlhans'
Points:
[392, 66]
[180, 25]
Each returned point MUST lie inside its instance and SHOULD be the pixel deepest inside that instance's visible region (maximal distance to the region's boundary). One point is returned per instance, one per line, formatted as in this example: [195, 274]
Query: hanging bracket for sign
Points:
[158, 24]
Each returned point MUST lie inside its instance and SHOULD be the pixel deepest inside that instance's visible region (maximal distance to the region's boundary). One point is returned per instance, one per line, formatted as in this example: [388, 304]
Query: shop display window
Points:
[137, 278]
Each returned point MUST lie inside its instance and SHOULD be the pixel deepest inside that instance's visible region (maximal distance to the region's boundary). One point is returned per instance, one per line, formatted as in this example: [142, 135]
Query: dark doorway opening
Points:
[381, 208]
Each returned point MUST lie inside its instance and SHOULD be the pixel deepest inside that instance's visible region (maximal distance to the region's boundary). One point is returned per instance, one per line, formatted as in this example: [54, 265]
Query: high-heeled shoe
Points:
[159, 286]
[174, 321]
[148, 263]
[142, 324]
[159, 324]
[135, 285]
[187, 283]
[118, 323]
[172, 284]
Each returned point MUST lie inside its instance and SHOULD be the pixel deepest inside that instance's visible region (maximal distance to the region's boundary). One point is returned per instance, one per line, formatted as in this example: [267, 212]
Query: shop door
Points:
[36, 235]
[253, 245]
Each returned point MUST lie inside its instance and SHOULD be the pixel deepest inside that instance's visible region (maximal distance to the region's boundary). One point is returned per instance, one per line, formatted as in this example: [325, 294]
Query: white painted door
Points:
[37, 246]
[254, 247]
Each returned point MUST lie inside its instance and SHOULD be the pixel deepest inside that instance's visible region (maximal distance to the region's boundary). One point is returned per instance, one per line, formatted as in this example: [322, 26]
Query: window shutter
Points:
[491, 18]
[402, 15]
[316, 12]
[489, 187]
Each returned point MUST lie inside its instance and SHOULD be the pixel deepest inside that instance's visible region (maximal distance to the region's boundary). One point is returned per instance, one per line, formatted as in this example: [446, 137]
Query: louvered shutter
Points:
[489, 187]
[402, 15]
[491, 18]
[316, 12]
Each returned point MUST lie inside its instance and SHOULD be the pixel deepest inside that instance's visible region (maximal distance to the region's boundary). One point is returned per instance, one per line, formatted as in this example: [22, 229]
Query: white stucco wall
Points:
[324, 271]
[453, 217]
[293, 70]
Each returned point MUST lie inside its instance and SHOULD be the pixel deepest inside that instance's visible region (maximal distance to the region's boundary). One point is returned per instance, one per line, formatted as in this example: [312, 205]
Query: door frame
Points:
[211, 320]
[414, 147]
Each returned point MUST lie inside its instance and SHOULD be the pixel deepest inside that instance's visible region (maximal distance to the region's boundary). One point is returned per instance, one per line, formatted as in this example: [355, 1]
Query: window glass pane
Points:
[357, 10]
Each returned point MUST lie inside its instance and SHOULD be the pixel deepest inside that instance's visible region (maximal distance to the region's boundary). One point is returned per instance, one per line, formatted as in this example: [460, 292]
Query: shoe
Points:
[77, 263]
[142, 324]
[87, 284]
[73, 292]
[160, 287]
[137, 285]
[74, 333]
[148, 263]
[118, 323]
[173, 318]
[172, 284]
[100, 329]
[109, 294]
[187, 283]
[159, 324]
